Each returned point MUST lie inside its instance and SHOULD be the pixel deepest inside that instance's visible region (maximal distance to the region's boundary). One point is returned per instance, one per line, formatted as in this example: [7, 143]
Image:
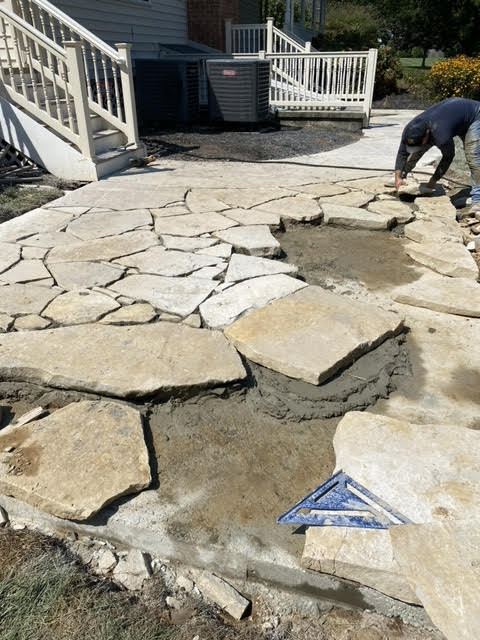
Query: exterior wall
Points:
[206, 19]
[144, 23]
[250, 12]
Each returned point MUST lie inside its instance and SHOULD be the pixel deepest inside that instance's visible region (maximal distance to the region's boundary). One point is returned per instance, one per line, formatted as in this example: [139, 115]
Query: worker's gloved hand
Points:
[425, 189]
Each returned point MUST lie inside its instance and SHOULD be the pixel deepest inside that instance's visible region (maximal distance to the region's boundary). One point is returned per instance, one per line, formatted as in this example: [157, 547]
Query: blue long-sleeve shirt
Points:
[444, 120]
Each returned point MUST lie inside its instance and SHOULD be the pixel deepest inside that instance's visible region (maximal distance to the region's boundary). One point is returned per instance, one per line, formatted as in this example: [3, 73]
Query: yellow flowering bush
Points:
[457, 77]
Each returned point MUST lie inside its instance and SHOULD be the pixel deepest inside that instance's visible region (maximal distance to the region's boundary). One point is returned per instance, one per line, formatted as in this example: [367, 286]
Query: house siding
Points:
[249, 12]
[145, 24]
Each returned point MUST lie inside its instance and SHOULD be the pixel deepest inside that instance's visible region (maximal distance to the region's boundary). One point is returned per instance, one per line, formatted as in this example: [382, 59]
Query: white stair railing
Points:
[249, 39]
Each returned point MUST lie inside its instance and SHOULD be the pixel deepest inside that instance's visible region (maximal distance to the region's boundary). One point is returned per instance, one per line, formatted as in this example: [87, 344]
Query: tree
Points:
[274, 9]
[350, 25]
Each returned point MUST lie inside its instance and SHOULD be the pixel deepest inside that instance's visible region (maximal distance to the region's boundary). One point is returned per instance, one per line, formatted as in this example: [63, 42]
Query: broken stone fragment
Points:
[223, 594]
[132, 570]
[77, 460]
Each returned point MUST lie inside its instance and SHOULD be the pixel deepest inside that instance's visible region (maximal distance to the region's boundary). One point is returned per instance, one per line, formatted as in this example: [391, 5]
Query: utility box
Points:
[238, 90]
[167, 91]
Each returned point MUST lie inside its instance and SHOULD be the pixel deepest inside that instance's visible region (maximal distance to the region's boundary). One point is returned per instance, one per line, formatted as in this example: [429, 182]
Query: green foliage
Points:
[274, 9]
[350, 25]
[389, 72]
[456, 77]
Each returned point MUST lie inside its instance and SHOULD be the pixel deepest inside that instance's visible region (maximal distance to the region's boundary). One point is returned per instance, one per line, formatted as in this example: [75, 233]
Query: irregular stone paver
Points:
[440, 473]
[440, 560]
[122, 194]
[298, 208]
[243, 267]
[204, 201]
[248, 198]
[311, 334]
[194, 321]
[221, 250]
[449, 258]
[33, 253]
[403, 212]
[168, 212]
[167, 263]
[75, 461]
[9, 255]
[322, 189]
[254, 216]
[221, 310]
[376, 184]
[255, 241]
[79, 307]
[180, 296]
[187, 244]
[104, 248]
[211, 273]
[110, 223]
[223, 594]
[25, 298]
[193, 224]
[79, 275]
[428, 231]
[26, 271]
[31, 323]
[121, 361]
[48, 240]
[36, 221]
[6, 322]
[140, 313]
[344, 216]
[436, 208]
[351, 199]
[458, 296]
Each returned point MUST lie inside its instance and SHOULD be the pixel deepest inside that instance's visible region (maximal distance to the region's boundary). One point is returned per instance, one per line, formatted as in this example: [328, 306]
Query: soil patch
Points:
[245, 143]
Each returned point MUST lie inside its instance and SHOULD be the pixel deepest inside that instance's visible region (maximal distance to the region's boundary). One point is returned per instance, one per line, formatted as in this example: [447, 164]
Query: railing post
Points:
[308, 47]
[128, 91]
[371, 72]
[261, 55]
[269, 35]
[78, 86]
[228, 36]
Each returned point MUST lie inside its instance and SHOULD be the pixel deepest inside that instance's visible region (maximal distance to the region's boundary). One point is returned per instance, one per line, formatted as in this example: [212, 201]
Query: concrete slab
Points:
[194, 224]
[79, 307]
[243, 267]
[109, 223]
[253, 240]
[81, 275]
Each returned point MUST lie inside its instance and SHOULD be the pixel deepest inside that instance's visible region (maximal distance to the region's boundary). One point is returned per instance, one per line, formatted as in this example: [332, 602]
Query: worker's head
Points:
[416, 135]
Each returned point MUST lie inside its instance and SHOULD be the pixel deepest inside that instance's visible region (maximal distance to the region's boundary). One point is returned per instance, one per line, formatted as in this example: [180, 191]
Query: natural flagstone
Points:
[73, 211]
[436, 208]
[458, 296]
[49, 239]
[441, 561]
[351, 199]
[76, 460]
[139, 313]
[79, 307]
[180, 296]
[33, 253]
[159, 261]
[248, 198]
[428, 231]
[104, 248]
[356, 218]
[322, 189]
[376, 184]
[187, 244]
[440, 472]
[311, 334]
[225, 307]
[299, 208]
[109, 223]
[112, 194]
[132, 570]
[16, 299]
[165, 212]
[193, 224]
[6, 322]
[204, 201]
[448, 258]
[255, 241]
[221, 250]
[77, 275]
[254, 216]
[31, 323]
[211, 273]
[26, 271]
[9, 255]
[403, 212]
[127, 362]
[243, 267]
[36, 221]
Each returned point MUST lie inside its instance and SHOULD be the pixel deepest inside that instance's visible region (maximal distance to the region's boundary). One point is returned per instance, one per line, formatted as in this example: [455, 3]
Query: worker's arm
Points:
[448, 154]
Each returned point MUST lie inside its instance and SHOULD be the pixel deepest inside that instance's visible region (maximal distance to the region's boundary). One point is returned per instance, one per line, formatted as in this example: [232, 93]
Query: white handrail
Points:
[281, 41]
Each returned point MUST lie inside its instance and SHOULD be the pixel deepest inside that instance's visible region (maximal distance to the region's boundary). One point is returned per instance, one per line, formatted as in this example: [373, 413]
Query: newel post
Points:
[128, 91]
[371, 73]
[269, 35]
[228, 36]
[78, 87]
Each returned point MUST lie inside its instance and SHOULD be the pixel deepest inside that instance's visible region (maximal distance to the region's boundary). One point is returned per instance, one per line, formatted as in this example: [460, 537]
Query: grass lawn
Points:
[15, 200]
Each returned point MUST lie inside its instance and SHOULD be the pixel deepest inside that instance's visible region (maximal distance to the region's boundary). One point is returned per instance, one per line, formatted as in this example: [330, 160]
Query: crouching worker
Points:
[437, 127]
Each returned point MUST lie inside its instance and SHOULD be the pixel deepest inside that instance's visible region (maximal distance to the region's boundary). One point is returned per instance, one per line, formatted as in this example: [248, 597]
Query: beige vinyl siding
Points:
[144, 24]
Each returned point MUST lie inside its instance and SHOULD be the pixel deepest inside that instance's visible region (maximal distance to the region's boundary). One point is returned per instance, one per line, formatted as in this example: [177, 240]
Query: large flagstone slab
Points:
[312, 334]
[204, 201]
[225, 307]
[255, 240]
[9, 255]
[129, 362]
[458, 296]
[243, 267]
[403, 212]
[79, 275]
[35, 221]
[439, 472]
[351, 199]
[321, 189]
[25, 271]
[436, 208]
[376, 184]
[25, 299]
[79, 307]
[298, 208]
[120, 194]
[180, 296]
[158, 260]
[248, 198]
[49, 239]
[77, 460]
[433, 231]
[448, 258]
[441, 561]
[254, 216]
[193, 224]
[104, 248]
[98, 224]
[182, 243]
[355, 218]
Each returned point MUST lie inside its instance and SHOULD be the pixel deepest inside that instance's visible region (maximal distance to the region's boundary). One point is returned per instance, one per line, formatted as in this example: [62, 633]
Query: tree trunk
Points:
[424, 60]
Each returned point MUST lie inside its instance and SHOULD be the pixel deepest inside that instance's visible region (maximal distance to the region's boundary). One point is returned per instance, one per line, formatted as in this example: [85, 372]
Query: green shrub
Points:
[456, 77]
[388, 73]
[350, 26]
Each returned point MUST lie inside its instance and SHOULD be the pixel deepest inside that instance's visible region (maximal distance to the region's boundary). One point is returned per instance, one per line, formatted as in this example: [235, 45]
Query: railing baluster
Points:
[70, 114]
[28, 45]
[6, 37]
[53, 66]
[107, 84]
[98, 87]
[87, 70]
[118, 97]
[19, 56]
